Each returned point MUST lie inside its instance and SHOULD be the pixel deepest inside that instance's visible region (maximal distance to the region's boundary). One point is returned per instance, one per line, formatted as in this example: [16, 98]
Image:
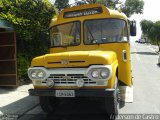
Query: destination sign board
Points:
[84, 12]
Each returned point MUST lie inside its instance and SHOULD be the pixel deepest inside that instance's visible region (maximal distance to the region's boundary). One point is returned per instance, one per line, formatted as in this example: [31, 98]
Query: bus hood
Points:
[75, 59]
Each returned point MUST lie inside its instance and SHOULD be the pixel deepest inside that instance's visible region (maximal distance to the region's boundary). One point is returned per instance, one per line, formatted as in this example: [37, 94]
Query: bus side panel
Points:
[124, 68]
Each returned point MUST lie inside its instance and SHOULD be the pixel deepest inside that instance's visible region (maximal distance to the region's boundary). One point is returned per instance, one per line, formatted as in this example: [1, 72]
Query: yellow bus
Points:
[89, 57]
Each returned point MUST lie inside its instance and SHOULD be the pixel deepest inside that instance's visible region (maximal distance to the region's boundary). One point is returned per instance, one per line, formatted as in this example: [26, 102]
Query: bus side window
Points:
[124, 34]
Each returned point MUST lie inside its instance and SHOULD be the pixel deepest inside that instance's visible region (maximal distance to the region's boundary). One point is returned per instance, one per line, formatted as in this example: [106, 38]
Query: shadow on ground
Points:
[7, 89]
[79, 116]
[21, 106]
[75, 110]
[145, 53]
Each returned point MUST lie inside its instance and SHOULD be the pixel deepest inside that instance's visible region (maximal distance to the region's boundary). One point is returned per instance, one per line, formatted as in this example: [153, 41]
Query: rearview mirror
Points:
[133, 29]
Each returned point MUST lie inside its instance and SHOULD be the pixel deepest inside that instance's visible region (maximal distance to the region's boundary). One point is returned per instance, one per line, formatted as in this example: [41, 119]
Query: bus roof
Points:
[84, 12]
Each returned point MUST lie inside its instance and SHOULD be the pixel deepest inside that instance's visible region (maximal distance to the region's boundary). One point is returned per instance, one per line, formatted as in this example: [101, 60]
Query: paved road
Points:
[146, 78]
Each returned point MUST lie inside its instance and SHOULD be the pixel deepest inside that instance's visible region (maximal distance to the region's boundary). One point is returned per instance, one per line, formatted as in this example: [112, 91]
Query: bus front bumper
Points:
[77, 92]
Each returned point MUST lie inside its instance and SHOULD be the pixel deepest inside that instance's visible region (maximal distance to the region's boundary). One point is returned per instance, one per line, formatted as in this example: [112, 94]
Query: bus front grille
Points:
[70, 79]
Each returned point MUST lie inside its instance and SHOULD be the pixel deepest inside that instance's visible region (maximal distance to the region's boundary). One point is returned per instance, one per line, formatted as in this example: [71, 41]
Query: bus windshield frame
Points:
[67, 34]
[97, 32]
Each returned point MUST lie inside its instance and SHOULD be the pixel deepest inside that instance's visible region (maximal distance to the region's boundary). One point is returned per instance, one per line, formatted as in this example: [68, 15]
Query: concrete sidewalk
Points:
[154, 48]
[16, 100]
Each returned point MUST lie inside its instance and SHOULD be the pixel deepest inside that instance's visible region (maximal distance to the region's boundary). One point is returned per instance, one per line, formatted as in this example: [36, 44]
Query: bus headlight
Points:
[80, 82]
[37, 73]
[99, 72]
[49, 83]
[33, 74]
[95, 74]
[41, 74]
[104, 73]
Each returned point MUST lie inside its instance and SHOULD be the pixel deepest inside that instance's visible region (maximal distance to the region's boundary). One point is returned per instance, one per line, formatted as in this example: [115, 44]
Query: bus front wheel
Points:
[112, 103]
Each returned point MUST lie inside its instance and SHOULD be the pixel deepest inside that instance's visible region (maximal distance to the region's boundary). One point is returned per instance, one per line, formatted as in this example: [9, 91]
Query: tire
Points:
[49, 103]
[112, 103]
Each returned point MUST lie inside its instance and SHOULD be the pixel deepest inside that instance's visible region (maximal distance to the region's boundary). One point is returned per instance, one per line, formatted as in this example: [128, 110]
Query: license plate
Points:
[65, 93]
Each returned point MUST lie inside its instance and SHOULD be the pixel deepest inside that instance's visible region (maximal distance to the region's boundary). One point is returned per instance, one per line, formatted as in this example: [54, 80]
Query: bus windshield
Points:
[65, 35]
[105, 31]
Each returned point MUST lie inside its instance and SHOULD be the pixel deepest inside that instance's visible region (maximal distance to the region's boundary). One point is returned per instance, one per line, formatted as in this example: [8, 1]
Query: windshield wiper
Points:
[93, 39]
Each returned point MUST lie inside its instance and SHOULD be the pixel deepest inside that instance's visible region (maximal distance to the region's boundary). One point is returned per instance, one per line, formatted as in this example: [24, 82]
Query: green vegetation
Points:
[31, 19]
[61, 4]
[133, 7]
[151, 30]
[130, 7]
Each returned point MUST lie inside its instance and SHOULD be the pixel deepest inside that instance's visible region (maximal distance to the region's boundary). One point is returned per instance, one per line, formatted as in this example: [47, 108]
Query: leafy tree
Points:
[151, 30]
[146, 25]
[129, 7]
[61, 4]
[133, 7]
[154, 33]
[108, 3]
[30, 19]
[82, 2]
